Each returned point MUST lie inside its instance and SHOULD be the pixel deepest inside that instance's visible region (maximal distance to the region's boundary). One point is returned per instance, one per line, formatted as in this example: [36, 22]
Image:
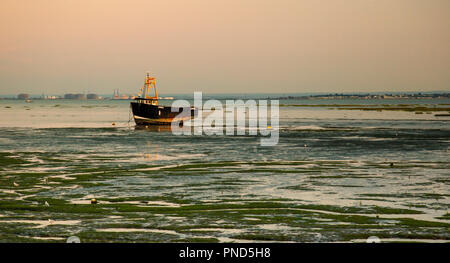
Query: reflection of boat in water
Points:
[154, 128]
[146, 110]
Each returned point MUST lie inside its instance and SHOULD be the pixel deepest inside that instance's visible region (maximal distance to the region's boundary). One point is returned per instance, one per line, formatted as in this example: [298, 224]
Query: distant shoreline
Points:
[372, 96]
[330, 96]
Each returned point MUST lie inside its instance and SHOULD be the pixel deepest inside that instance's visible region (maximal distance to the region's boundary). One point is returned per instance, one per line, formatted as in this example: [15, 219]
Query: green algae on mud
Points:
[195, 214]
[199, 216]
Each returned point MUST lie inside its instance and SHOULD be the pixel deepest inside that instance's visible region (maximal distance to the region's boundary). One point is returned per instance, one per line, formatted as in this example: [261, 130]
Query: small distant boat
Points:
[146, 110]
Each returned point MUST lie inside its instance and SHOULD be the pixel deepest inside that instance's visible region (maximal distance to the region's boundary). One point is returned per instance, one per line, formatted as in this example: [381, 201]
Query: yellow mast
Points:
[149, 82]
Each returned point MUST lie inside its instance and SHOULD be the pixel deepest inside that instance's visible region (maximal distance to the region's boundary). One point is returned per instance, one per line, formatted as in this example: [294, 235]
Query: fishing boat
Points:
[146, 110]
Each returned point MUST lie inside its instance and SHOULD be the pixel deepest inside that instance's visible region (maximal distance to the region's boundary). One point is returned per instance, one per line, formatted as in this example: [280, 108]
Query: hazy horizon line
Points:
[243, 93]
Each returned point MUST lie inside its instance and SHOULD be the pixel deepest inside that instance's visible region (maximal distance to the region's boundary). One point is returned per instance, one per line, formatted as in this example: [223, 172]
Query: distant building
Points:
[50, 97]
[92, 96]
[23, 96]
[70, 96]
[80, 97]
[117, 96]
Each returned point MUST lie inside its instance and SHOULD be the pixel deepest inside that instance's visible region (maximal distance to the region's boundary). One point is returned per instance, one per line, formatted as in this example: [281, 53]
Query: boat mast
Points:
[149, 82]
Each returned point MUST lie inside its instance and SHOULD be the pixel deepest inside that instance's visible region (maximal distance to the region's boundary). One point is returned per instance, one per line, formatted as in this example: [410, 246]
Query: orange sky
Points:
[59, 46]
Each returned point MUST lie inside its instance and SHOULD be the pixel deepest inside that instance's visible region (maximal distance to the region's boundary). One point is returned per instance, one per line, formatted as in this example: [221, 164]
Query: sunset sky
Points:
[61, 46]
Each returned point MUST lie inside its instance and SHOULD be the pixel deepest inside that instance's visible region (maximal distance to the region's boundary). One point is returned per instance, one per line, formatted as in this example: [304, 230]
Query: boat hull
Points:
[148, 114]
